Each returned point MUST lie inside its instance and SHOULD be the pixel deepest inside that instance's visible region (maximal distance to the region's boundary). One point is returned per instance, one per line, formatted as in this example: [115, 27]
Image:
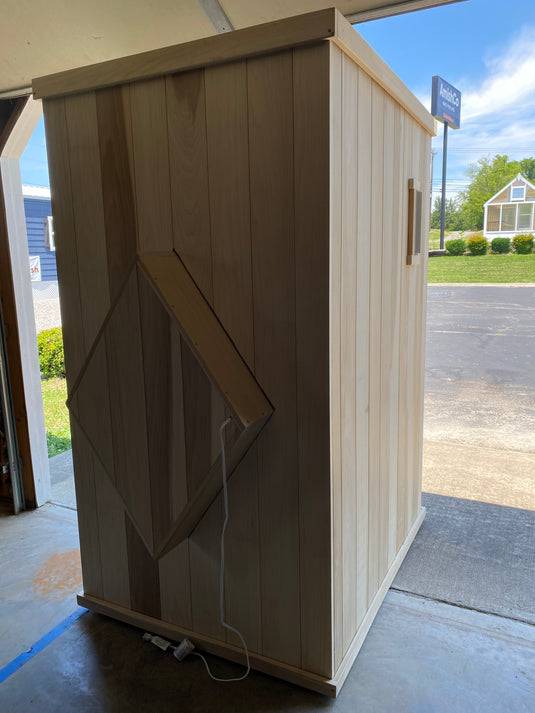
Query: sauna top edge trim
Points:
[295, 31]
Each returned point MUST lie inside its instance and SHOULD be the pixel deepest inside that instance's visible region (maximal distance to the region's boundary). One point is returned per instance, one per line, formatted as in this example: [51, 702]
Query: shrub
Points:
[455, 247]
[51, 358]
[477, 245]
[501, 245]
[523, 244]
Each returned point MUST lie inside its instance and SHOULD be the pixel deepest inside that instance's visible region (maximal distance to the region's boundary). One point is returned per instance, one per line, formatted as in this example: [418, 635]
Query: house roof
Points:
[41, 38]
[35, 192]
[518, 177]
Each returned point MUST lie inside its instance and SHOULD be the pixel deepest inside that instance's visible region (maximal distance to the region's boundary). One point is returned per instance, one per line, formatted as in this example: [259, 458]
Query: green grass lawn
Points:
[434, 238]
[482, 268]
[58, 432]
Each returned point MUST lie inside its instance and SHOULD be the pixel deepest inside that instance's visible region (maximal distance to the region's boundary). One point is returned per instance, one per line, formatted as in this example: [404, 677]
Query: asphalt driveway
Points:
[479, 422]
[480, 366]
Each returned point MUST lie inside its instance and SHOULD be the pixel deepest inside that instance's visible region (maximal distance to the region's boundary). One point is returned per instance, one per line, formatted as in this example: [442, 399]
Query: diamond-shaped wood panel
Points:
[160, 379]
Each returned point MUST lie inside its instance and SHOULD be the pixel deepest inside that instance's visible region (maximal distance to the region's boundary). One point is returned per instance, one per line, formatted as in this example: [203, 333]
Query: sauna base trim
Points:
[328, 687]
[204, 643]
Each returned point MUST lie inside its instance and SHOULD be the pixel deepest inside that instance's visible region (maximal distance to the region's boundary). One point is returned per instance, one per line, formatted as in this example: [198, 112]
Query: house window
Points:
[493, 218]
[508, 218]
[525, 216]
[518, 193]
[49, 233]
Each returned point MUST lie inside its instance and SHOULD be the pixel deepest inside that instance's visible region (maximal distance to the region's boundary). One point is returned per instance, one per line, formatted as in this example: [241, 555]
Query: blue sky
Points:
[485, 48]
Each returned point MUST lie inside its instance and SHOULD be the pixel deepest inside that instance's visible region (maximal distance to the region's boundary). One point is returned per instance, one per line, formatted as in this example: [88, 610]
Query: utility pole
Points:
[443, 200]
[446, 107]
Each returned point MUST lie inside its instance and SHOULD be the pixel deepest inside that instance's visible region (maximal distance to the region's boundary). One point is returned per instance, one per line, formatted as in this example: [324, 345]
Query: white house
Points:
[510, 211]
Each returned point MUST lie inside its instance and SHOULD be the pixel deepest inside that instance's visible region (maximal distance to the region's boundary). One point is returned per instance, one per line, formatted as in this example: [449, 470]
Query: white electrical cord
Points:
[222, 568]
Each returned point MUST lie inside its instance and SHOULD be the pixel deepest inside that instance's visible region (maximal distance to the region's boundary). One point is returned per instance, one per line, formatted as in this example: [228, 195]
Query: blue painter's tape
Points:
[41, 644]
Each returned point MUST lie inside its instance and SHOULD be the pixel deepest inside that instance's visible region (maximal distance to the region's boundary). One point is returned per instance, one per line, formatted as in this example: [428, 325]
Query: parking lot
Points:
[479, 424]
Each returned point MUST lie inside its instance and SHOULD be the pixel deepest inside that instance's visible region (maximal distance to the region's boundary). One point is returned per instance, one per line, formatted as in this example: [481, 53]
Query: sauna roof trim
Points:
[251, 41]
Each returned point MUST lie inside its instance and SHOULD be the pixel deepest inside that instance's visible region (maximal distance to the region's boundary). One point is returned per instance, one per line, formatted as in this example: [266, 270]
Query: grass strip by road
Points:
[482, 268]
[58, 431]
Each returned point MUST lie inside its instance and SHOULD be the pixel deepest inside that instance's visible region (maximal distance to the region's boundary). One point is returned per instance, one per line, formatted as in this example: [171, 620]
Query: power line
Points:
[493, 149]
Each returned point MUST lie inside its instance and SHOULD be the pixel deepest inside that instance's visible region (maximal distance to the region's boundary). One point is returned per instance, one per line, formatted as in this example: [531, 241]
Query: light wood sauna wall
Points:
[230, 167]
[281, 181]
[377, 331]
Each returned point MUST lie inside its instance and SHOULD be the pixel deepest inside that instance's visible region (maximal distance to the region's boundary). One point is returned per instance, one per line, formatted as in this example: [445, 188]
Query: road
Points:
[480, 366]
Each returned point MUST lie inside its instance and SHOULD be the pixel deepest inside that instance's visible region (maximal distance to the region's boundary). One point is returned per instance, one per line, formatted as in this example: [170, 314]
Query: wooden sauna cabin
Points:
[238, 222]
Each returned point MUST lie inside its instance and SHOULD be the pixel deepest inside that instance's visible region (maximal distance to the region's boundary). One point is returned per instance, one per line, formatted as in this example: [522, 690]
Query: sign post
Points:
[446, 107]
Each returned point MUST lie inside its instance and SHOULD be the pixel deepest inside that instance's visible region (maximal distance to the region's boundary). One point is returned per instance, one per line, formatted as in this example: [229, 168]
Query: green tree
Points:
[452, 219]
[487, 176]
[527, 169]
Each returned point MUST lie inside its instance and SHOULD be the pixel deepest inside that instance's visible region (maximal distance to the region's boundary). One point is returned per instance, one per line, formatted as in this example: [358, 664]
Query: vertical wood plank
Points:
[227, 129]
[73, 337]
[179, 483]
[186, 116]
[204, 555]
[386, 336]
[113, 547]
[363, 335]
[175, 586]
[175, 596]
[188, 163]
[114, 124]
[242, 581]
[93, 395]
[421, 302]
[311, 156]
[413, 356]
[403, 413]
[92, 408]
[129, 426]
[88, 211]
[188, 178]
[66, 254]
[156, 341]
[228, 162]
[350, 236]
[87, 504]
[336, 159]
[90, 238]
[378, 503]
[273, 256]
[197, 392]
[151, 164]
[389, 334]
[398, 267]
[143, 574]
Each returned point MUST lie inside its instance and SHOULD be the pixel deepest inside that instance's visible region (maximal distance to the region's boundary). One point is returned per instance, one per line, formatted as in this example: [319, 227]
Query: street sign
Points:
[446, 103]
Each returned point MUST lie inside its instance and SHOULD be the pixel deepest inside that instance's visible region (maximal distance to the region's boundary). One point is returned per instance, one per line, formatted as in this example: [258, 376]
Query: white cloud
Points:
[510, 83]
[498, 112]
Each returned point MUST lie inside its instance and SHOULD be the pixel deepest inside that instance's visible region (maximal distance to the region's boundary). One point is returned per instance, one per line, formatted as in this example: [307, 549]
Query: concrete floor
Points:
[421, 655]
[40, 566]
[474, 555]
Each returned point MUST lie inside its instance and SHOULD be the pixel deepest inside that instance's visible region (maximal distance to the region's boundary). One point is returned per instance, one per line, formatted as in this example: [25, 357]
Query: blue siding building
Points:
[37, 209]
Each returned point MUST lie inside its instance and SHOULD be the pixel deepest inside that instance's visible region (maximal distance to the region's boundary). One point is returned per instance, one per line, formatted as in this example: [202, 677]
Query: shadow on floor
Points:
[420, 656]
[474, 555]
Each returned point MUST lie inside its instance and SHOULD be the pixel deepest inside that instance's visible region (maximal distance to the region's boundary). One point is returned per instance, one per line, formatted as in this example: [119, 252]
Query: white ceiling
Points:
[39, 37]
